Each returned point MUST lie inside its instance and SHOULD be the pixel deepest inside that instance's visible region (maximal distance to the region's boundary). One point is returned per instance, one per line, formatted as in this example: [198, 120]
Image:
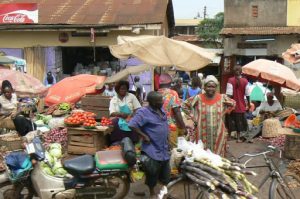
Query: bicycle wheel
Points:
[183, 189]
[18, 191]
[281, 190]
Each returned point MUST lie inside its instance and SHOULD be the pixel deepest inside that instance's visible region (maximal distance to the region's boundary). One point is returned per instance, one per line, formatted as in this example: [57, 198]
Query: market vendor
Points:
[122, 107]
[207, 111]
[10, 117]
[268, 108]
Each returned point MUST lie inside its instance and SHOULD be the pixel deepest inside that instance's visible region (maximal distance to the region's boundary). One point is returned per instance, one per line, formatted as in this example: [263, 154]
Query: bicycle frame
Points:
[274, 172]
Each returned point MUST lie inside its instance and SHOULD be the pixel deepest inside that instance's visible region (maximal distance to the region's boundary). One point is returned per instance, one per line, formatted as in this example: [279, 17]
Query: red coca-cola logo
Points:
[15, 18]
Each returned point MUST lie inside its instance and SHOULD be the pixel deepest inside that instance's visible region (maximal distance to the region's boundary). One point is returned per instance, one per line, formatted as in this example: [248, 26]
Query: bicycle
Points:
[279, 186]
[190, 189]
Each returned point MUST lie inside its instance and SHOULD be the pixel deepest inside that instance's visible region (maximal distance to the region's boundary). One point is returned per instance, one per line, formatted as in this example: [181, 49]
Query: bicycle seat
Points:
[80, 165]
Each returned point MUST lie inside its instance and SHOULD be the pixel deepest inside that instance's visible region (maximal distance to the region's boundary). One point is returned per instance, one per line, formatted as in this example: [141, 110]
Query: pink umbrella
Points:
[272, 72]
[24, 84]
[71, 89]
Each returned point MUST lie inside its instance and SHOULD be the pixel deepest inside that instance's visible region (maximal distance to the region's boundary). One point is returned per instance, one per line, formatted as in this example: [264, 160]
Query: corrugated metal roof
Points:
[112, 12]
[187, 22]
[260, 31]
[186, 37]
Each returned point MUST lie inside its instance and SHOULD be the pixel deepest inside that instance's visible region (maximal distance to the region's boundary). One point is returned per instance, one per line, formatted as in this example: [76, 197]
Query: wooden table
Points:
[87, 141]
[292, 143]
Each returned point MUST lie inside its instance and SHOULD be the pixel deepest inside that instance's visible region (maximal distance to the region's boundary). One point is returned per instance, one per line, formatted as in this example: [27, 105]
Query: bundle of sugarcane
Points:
[225, 180]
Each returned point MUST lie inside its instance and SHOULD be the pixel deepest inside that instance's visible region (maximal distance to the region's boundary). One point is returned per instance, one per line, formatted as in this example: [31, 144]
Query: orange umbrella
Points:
[24, 84]
[272, 72]
[71, 89]
[292, 54]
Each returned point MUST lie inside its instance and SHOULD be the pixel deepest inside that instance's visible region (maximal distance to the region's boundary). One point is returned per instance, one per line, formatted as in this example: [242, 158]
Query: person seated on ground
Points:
[139, 90]
[268, 108]
[122, 107]
[110, 90]
[195, 88]
[10, 114]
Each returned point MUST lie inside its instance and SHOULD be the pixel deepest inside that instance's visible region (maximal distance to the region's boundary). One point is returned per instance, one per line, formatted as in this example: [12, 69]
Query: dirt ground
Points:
[236, 149]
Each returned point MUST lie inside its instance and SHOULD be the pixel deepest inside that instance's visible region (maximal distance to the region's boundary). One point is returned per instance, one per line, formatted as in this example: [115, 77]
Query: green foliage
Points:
[209, 29]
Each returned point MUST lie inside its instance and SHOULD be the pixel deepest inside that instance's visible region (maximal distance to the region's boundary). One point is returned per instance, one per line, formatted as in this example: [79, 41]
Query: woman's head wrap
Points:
[211, 78]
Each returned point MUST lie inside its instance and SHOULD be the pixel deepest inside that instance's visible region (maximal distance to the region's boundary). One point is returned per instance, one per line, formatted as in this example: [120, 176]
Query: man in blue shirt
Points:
[152, 125]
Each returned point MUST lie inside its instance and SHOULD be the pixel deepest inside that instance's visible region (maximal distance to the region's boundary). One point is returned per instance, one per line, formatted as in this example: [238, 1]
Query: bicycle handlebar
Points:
[270, 149]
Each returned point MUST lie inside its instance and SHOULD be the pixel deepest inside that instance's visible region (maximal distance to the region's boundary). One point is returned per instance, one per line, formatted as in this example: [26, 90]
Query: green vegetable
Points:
[49, 158]
[64, 106]
[55, 152]
[60, 172]
[48, 171]
[39, 123]
[55, 146]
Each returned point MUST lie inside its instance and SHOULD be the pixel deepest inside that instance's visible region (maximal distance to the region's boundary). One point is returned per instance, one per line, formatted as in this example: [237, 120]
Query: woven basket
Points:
[285, 113]
[11, 141]
[271, 128]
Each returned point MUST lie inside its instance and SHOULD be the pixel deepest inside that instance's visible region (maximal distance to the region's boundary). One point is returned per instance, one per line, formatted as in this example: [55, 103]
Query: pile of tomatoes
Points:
[106, 121]
[78, 118]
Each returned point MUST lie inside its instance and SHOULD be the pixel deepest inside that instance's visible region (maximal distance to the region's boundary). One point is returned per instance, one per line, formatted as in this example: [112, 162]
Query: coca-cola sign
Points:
[18, 13]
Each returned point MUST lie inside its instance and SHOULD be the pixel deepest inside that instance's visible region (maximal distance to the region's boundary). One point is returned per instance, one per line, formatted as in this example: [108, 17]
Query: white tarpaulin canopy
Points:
[162, 51]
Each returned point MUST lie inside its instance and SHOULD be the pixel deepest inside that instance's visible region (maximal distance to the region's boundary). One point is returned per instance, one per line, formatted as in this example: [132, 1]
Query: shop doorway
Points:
[84, 57]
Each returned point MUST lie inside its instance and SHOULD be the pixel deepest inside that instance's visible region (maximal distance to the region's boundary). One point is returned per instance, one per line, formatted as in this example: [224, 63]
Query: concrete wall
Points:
[15, 39]
[238, 13]
[277, 47]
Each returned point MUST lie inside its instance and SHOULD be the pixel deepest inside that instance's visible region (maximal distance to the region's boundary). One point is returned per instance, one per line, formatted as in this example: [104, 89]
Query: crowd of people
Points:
[176, 99]
[161, 121]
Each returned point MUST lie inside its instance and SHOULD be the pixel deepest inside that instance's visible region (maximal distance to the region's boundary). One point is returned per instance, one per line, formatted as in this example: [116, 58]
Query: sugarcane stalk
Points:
[206, 168]
[198, 181]
[248, 172]
[198, 171]
[246, 195]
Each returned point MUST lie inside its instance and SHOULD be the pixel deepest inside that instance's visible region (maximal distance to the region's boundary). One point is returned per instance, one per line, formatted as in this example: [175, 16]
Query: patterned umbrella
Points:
[24, 85]
[71, 89]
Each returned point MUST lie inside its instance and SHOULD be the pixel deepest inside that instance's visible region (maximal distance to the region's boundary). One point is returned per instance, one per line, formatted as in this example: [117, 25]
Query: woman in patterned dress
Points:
[207, 111]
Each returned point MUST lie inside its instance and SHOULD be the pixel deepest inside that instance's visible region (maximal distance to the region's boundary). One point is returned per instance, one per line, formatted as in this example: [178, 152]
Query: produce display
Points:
[105, 121]
[226, 180]
[52, 164]
[62, 108]
[87, 119]
[42, 119]
[57, 135]
[219, 176]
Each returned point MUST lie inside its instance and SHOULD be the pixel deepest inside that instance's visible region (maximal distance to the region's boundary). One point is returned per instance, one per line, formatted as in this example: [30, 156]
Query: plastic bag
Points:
[56, 122]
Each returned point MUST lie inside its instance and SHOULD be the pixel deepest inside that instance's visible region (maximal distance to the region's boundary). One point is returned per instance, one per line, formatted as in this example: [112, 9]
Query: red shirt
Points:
[238, 93]
[156, 82]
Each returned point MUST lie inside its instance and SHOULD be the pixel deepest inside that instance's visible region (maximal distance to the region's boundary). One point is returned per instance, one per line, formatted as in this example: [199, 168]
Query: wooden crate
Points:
[99, 111]
[95, 100]
[97, 104]
[83, 141]
[292, 146]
